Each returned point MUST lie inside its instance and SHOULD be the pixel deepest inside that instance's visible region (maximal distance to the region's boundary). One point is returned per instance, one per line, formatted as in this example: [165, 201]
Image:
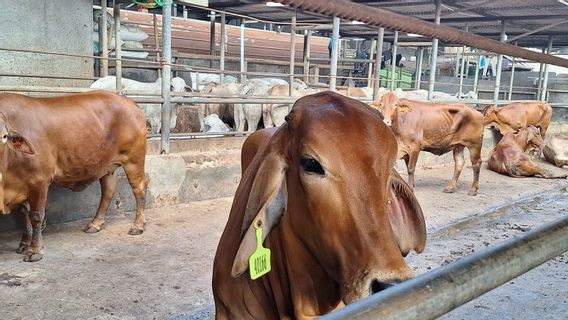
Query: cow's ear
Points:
[18, 142]
[405, 216]
[266, 204]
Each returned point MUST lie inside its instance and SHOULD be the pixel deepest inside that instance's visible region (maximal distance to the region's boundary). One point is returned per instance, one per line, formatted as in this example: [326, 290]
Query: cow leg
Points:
[137, 180]
[37, 200]
[108, 187]
[27, 234]
[411, 159]
[458, 167]
[475, 157]
[267, 116]
[239, 118]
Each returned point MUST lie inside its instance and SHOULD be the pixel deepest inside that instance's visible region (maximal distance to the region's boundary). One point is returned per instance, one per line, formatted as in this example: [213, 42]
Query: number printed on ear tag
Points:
[259, 261]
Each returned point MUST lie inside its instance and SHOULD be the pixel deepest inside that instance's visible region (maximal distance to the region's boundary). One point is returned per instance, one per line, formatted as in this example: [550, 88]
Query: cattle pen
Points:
[436, 48]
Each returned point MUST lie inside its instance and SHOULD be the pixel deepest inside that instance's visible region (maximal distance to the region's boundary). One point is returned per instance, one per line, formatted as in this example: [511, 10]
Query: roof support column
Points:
[306, 58]
[212, 40]
[434, 60]
[499, 66]
[419, 61]
[462, 65]
[334, 54]
[242, 37]
[393, 60]
[292, 54]
[117, 46]
[166, 75]
[545, 81]
[378, 58]
[103, 39]
[222, 49]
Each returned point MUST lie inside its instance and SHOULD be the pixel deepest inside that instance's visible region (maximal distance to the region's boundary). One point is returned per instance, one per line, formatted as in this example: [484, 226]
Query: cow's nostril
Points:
[377, 286]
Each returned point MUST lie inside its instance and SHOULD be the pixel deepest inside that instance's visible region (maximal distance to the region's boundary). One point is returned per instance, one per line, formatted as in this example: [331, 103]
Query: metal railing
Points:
[435, 293]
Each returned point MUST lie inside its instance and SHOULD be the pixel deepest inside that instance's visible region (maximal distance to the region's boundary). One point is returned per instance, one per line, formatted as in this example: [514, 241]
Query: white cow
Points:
[153, 111]
[205, 78]
[224, 110]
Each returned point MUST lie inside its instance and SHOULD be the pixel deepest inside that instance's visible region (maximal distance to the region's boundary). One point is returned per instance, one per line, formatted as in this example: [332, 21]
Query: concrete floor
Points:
[166, 272]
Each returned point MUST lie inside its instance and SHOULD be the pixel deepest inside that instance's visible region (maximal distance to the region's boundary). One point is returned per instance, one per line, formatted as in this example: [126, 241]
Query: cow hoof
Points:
[33, 257]
[22, 248]
[92, 229]
[135, 231]
[449, 190]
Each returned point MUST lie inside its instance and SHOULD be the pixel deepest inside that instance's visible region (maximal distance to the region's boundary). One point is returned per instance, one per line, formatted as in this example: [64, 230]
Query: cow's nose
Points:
[377, 286]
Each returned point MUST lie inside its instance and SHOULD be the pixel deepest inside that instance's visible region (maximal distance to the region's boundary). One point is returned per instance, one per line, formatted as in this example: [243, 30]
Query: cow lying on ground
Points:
[69, 141]
[518, 115]
[556, 150]
[153, 111]
[323, 214]
[437, 128]
[509, 158]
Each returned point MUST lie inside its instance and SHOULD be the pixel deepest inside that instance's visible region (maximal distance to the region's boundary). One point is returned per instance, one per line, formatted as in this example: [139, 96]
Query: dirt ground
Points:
[166, 272]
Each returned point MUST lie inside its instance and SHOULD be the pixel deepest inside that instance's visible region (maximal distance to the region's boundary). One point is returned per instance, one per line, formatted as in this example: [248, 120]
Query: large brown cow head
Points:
[11, 141]
[323, 179]
[388, 105]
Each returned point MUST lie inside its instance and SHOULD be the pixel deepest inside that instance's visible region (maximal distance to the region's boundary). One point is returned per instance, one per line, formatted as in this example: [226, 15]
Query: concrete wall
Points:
[55, 25]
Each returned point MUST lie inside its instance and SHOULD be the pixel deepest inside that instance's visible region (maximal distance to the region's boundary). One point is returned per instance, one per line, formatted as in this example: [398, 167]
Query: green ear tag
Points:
[259, 261]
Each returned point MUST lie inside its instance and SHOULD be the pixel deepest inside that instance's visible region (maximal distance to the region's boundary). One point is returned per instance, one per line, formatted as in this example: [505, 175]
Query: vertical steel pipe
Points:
[334, 54]
[378, 58]
[307, 53]
[499, 65]
[212, 39]
[393, 60]
[512, 80]
[370, 64]
[476, 79]
[292, 54]
[157, 43]
[462, 65]
[185, 12]
[242, 47]
[545, 81]
[222, 49]
[419, 61]
[434, 58]
[166, 76]
[103, 30]
[117, 45]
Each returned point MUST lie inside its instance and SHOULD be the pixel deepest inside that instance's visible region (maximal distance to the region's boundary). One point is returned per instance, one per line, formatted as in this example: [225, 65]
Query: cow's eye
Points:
[5, 138]
[311, 165]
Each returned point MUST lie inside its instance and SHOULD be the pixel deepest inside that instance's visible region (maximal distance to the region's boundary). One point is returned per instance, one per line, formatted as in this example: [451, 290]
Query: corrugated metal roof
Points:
[482, 16]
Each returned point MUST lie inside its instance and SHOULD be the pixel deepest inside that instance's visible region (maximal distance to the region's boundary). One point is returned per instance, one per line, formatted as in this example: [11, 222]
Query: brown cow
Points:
[437, 128]
[509, 158]
[318, 191]
[69, 141]
[556, 150]
[518, 115]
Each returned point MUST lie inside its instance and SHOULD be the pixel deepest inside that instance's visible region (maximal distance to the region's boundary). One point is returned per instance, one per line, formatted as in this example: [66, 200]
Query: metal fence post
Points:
[378, 58]
[545, 81]
[222, 49]
[292, 54]
[103, 30]
[117, 46]
[334, 55]
[434, 58]
[166, 75]
[393, 60]
[499, 66]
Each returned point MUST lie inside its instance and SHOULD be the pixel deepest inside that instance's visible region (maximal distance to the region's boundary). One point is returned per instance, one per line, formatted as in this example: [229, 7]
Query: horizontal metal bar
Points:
[437, 292]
